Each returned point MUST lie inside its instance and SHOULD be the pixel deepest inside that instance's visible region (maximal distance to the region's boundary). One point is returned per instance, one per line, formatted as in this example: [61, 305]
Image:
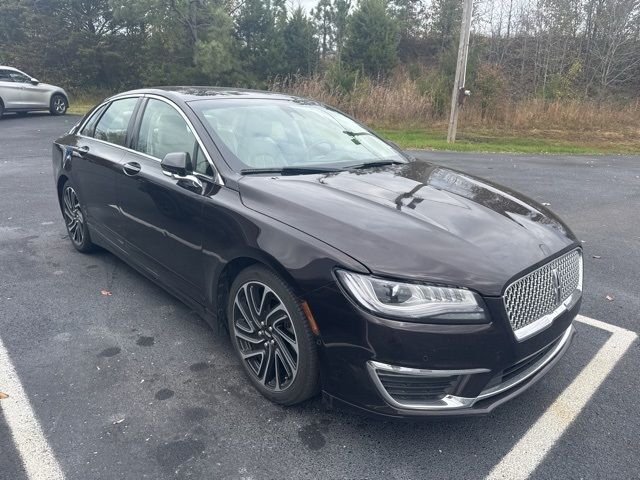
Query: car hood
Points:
[418, 221]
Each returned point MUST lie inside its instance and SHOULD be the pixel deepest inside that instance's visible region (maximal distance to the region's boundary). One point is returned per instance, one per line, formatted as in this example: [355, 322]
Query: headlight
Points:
[417, 302]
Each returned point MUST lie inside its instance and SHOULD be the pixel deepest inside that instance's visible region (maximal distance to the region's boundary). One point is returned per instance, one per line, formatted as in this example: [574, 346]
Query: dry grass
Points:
[404, 103]
[406, 111]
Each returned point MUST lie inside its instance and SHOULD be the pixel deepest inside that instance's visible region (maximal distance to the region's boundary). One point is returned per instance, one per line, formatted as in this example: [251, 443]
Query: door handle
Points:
[79, 151]
[131, 168]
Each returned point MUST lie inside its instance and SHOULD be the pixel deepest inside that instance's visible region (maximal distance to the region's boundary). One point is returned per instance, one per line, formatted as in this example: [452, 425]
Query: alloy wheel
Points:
[265, 335]
[73, 215]
[59, 105]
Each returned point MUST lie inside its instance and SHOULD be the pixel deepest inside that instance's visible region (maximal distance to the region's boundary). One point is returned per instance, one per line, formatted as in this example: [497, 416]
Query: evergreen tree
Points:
[341, 10]
[323, 16]
[372, 38]
[301, 45]
[260, 26]
[445, 22]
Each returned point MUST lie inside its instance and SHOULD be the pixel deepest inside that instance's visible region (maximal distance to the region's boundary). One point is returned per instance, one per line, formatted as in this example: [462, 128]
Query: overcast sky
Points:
[306, 4]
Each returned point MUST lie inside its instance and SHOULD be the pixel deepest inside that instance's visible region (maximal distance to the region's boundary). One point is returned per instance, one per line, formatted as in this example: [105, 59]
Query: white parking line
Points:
[521, 461]
[531, 449]
[36, 454]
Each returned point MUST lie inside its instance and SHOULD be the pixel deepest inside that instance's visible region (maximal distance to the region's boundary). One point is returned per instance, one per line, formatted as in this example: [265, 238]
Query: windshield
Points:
[279, 134]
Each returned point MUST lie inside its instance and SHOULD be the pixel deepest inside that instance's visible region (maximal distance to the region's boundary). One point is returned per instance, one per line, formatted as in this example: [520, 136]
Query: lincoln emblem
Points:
[556, 284]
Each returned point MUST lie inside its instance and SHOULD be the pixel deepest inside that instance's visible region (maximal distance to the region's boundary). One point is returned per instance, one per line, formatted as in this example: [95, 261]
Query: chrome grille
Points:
[543, 291]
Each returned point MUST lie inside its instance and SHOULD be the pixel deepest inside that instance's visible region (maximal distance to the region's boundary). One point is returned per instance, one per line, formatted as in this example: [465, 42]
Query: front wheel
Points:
[58, 105]
[272, 337]
[75, 220]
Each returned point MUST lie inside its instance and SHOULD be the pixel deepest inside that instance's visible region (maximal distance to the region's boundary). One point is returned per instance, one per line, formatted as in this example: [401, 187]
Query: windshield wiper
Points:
[377, 163]
[355, 134]
[289, 170]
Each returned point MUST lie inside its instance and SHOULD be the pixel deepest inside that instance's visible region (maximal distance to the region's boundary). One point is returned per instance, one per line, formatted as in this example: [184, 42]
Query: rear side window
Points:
[112, 126]
[163, 130]
[90, 126]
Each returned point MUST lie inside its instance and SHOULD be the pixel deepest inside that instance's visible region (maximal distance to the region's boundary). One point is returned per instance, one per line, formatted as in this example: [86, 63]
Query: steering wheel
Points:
[316, 144]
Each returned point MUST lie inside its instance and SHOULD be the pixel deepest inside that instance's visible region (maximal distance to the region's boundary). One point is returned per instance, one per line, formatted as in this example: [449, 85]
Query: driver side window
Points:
[19, 77]
[163, 130]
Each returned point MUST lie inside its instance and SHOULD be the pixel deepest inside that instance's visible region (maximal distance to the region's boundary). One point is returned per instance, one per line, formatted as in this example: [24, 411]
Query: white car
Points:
[22, 93]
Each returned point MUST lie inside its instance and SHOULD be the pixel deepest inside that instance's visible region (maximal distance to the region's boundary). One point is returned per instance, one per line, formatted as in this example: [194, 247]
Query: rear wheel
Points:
[272, 337]
[1, 108]
[75, 220]
[58, 105]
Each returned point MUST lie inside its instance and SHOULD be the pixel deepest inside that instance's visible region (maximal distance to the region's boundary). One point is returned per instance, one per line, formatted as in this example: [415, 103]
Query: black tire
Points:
[58, 104]
[75, 219]
[303, 382]
[1, 108]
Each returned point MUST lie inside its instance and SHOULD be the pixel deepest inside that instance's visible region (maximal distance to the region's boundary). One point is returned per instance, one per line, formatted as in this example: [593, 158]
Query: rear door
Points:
[161, 216]
[97, 161]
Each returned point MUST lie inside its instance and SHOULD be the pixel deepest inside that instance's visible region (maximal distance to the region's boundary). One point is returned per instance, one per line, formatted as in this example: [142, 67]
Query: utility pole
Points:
[459, 92]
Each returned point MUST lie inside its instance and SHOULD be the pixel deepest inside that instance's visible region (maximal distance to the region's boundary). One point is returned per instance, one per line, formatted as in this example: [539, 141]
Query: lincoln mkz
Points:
[338, 263]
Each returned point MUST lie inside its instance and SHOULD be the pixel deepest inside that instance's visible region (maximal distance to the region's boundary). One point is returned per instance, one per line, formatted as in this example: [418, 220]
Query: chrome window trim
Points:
[547, 320]
[453, 402]
[217, 178]
[107, 101]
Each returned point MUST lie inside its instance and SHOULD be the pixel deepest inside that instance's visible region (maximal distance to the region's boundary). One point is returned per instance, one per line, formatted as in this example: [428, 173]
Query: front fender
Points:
[236, 235]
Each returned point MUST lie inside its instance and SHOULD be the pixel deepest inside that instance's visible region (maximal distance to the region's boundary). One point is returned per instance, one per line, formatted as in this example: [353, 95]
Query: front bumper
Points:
[376, 365]
[535, 368]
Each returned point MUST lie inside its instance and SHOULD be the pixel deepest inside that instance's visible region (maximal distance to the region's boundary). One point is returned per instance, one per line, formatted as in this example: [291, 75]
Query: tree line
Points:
[553, 49]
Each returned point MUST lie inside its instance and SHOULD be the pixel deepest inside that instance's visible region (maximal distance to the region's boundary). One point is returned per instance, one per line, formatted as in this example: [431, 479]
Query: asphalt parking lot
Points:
[134, 385]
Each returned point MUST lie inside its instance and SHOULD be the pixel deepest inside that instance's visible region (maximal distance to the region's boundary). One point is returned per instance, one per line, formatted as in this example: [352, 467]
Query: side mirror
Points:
[34, 81]
[178, 163]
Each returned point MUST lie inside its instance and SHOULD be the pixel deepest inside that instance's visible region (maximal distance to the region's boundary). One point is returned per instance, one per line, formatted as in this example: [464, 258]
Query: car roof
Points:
[192, 93]
[6, 67]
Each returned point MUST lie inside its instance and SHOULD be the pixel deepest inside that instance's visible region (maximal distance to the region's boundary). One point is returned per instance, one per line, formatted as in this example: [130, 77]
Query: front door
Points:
[36, 96]
[31, 96]
[161, 217]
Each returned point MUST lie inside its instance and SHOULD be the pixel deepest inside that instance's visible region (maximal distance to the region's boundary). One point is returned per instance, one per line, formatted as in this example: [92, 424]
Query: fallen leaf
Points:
[609, 297]
[596, 256]
[105, 293]
[546, 204]
[3, 396]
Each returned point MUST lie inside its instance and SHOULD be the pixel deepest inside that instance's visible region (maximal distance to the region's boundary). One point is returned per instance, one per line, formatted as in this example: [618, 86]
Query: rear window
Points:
[90, 126]
[114, 123]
